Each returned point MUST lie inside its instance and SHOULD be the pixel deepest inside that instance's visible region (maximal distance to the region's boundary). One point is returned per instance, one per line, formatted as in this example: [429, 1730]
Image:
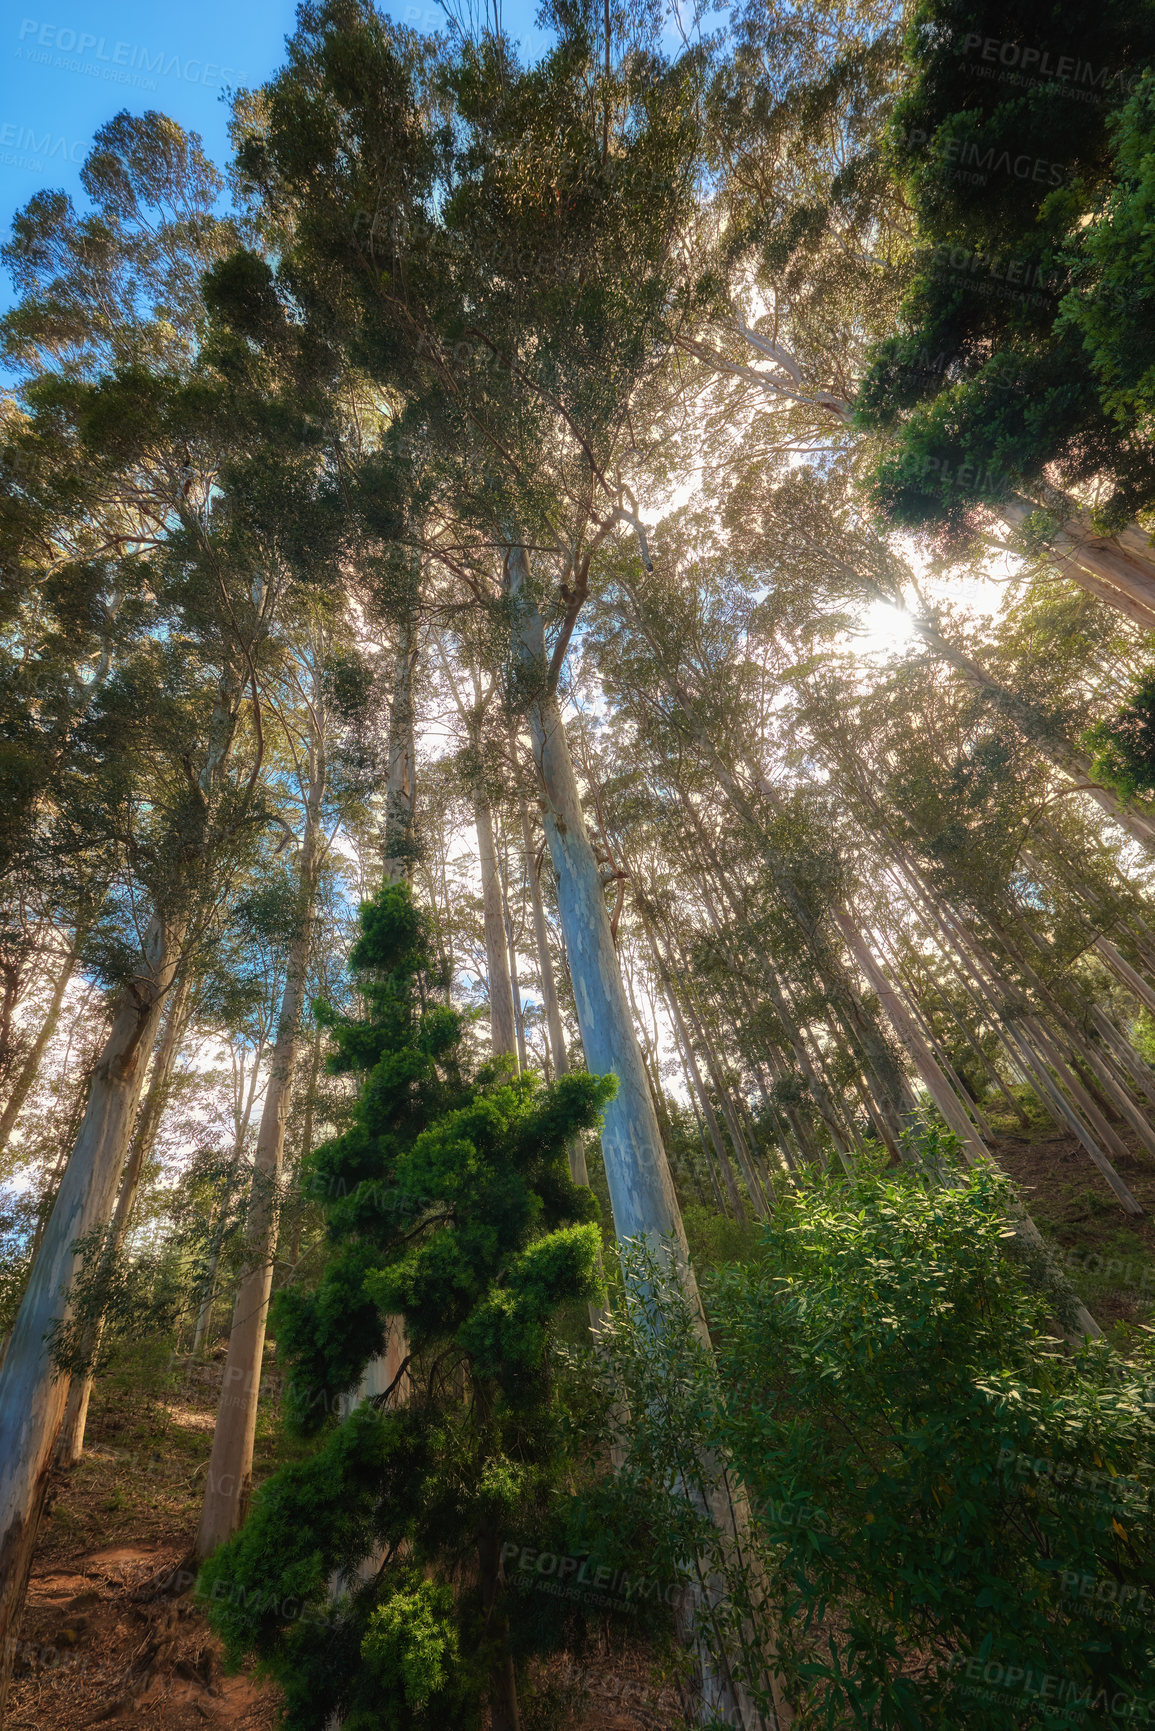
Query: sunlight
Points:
[884, 630]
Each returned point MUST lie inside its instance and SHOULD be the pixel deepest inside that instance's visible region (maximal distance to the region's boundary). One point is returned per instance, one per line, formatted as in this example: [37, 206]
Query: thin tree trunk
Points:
[503, 1030]
[928, 1068]
[887, 1083]
[1062, 1111]
[503, 1707]
[758, 1202]
[541, 945]
[209, 1289]
[1125, 1054]
[1034, 724]
[243, 1101]
[70, 1445]
[511, 952]
[1122, 969]
[30, 1068]
[974, 1152]
[823, 1098]
[400, 785]
[230, 1470]
[690, 1062]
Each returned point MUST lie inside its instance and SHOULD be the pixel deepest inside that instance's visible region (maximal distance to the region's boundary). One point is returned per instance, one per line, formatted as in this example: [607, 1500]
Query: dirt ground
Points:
[112, 1635]
[1109, 1256]
[100, 1644]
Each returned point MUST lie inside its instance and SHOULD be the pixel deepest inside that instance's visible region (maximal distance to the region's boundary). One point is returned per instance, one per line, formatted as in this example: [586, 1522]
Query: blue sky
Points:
[66, 66]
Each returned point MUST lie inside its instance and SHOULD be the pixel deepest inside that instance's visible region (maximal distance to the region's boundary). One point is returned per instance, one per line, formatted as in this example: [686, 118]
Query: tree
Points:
[227, 491]
[450, 1206]
[1002, 143]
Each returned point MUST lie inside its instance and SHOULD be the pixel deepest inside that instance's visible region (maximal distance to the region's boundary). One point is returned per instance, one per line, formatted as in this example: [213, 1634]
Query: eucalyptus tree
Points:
[954, 810]
[511, 277]
[308, 709]
[211, 448]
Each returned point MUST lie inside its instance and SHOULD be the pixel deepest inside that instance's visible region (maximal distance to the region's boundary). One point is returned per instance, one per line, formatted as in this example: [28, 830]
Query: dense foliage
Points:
[953, 1515]
[1006, 367]
[370, 1578]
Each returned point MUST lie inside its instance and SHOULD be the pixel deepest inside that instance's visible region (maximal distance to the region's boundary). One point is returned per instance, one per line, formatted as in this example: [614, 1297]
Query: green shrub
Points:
[940, 1480]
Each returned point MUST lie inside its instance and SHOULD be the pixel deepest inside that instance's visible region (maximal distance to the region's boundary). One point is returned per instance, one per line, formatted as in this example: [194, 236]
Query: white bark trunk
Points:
[31, 1065]
[502, 1026]
[32, 1397]
[1122, 969]
[925, 1062]
[1114, 571]
[230, 1470]
[70, 1445]
[642, 1194]
[641, 1189]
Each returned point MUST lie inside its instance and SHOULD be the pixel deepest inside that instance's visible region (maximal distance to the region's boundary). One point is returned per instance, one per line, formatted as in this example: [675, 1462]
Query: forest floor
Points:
[1108, 1256]
[101, 1644]
[112, 1635]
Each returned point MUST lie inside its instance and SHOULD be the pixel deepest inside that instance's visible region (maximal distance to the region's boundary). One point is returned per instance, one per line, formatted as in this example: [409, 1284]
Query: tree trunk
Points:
[887, 1084]
[503, 1030]
[1122, 969]
[503, 1708]
[511, 952]
[230, 1470]
[30, 1068]
[400, 786]
[758, 1203]
[1115, 570]
[928, 1067]
[209, 1290]
[690, 1062]
[32, 1397]
[944, 1098]
[641, 1188]
[1026, 716]
[70, 1444]
[544, 959]
[1035, 1066]
[642, 1194]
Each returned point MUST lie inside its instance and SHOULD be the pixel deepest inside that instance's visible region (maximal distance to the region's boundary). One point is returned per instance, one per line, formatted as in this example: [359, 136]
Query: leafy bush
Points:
[952, 1515]
[960, 1510]
[1123, 749]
